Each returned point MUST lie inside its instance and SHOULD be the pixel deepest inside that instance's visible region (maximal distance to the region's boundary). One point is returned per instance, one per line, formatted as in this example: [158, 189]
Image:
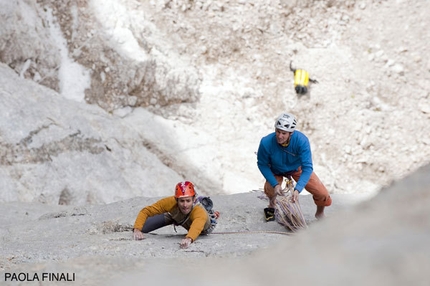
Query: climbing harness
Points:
[181, 222]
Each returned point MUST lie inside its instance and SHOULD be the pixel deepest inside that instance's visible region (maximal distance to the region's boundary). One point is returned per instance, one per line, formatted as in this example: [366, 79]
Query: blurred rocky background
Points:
[106, 105]
[106, 100]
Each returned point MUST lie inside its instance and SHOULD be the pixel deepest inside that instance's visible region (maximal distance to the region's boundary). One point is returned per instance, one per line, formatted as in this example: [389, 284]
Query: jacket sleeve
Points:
[263, 164]
[306, 164]
[198, 217]
[159, 207]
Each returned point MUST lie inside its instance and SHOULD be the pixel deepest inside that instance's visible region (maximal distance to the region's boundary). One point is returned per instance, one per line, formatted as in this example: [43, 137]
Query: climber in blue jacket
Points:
[287, 153]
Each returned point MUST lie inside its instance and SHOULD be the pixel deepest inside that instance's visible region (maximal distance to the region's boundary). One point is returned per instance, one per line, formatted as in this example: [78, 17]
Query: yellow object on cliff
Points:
[301, 80]
[301, 77]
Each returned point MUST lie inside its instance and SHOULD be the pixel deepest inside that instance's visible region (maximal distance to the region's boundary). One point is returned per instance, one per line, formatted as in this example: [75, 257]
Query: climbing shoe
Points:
[269, 213]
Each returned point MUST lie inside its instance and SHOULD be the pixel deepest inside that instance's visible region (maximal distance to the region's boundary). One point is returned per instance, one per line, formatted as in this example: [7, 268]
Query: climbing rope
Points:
[251, 231]
[289, 213]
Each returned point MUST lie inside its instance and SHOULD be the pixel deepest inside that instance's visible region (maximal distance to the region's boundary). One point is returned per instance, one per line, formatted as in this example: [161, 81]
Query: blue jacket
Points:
[274, 159]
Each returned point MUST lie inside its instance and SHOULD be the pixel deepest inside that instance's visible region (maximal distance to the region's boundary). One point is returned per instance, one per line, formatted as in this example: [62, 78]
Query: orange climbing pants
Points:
[314, 186]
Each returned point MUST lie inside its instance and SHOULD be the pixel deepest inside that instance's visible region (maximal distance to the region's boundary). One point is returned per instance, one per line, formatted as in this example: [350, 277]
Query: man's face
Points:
[282, 136]
[185, 204]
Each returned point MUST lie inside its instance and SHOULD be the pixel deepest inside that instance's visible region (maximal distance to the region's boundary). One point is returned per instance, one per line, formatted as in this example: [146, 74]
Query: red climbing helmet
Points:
[184, 189]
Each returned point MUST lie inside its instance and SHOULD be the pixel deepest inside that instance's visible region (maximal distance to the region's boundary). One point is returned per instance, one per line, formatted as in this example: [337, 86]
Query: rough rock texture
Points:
[381, 241]
[222, 69]
[122, 68]
[108, 104]
[52, 149]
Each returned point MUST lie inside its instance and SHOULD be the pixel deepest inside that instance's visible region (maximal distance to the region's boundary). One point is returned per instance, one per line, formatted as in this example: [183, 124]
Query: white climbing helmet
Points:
[286, 122]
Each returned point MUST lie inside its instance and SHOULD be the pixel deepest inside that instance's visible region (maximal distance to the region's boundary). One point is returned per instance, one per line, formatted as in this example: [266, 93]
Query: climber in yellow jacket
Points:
[179, 209]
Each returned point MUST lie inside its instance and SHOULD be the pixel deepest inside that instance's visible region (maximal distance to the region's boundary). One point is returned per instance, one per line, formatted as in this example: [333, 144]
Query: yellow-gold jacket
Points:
[195, 222]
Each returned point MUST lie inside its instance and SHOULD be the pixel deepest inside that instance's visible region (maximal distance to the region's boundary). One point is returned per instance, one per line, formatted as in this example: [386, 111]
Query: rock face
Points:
[381, 241]
[60, 151]
[106, 105]
[106, 100]
[118, 66]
